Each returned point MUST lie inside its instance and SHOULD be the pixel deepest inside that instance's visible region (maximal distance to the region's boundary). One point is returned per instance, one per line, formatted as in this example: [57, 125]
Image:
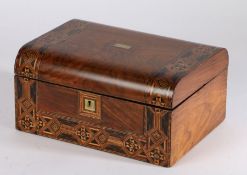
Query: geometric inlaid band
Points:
[151, 147]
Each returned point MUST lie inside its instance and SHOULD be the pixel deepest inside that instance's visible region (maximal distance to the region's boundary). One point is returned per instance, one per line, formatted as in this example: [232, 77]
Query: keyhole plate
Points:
[90, 105]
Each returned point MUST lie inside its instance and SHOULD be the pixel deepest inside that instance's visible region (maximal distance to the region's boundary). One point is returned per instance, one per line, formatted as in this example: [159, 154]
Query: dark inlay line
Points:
[67, 137]
[33, 91]
[165, 123]
[67, 122]
[19, 87]
[150, 118]
[115, 133]
[115, 148]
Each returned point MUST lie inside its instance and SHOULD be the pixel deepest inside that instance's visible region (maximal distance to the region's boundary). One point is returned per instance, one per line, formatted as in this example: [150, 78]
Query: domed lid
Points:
[121, 63]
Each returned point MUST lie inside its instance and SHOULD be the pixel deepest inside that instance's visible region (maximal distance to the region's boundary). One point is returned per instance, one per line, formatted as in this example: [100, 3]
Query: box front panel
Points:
[100, 122]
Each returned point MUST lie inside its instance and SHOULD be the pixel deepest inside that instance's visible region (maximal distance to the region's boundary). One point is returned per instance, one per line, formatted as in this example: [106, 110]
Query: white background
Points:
[215, 22]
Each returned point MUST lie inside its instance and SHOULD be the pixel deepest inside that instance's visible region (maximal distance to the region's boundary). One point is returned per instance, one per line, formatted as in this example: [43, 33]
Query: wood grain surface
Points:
[197, 116]
[153, 98]
[153, 70]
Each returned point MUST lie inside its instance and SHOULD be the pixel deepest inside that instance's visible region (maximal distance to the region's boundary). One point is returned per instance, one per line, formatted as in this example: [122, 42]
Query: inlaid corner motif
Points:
[152, 147]
[60, 35]
[175, 69]
[154, 96]
[27, 64]
[189, 59]
[28, 60]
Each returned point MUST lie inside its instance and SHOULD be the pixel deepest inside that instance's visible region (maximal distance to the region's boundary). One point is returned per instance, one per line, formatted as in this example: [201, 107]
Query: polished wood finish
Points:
[200, 76]
[112, 110]
[83, 55]
[153, 98]
[125, 128]
[197, 116]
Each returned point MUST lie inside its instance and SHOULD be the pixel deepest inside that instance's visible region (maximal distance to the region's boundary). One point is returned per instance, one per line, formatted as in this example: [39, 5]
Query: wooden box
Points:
[138, 95]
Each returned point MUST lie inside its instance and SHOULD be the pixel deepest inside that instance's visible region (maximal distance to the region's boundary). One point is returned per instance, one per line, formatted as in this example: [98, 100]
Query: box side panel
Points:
[117, 126]
[197, 116]
[199, 76]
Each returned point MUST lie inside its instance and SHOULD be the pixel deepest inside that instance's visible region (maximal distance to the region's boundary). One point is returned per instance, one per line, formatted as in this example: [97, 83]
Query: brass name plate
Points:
[122, 46]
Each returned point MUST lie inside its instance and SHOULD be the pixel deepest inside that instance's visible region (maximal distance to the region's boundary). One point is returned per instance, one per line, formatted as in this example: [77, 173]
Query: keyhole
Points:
[89, 103]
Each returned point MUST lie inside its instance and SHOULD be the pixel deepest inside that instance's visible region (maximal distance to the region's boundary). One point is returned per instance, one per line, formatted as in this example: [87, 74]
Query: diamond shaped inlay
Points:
[27, 103]
[131, 145]
[157, 156]
[83, 133]
[27, 123]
